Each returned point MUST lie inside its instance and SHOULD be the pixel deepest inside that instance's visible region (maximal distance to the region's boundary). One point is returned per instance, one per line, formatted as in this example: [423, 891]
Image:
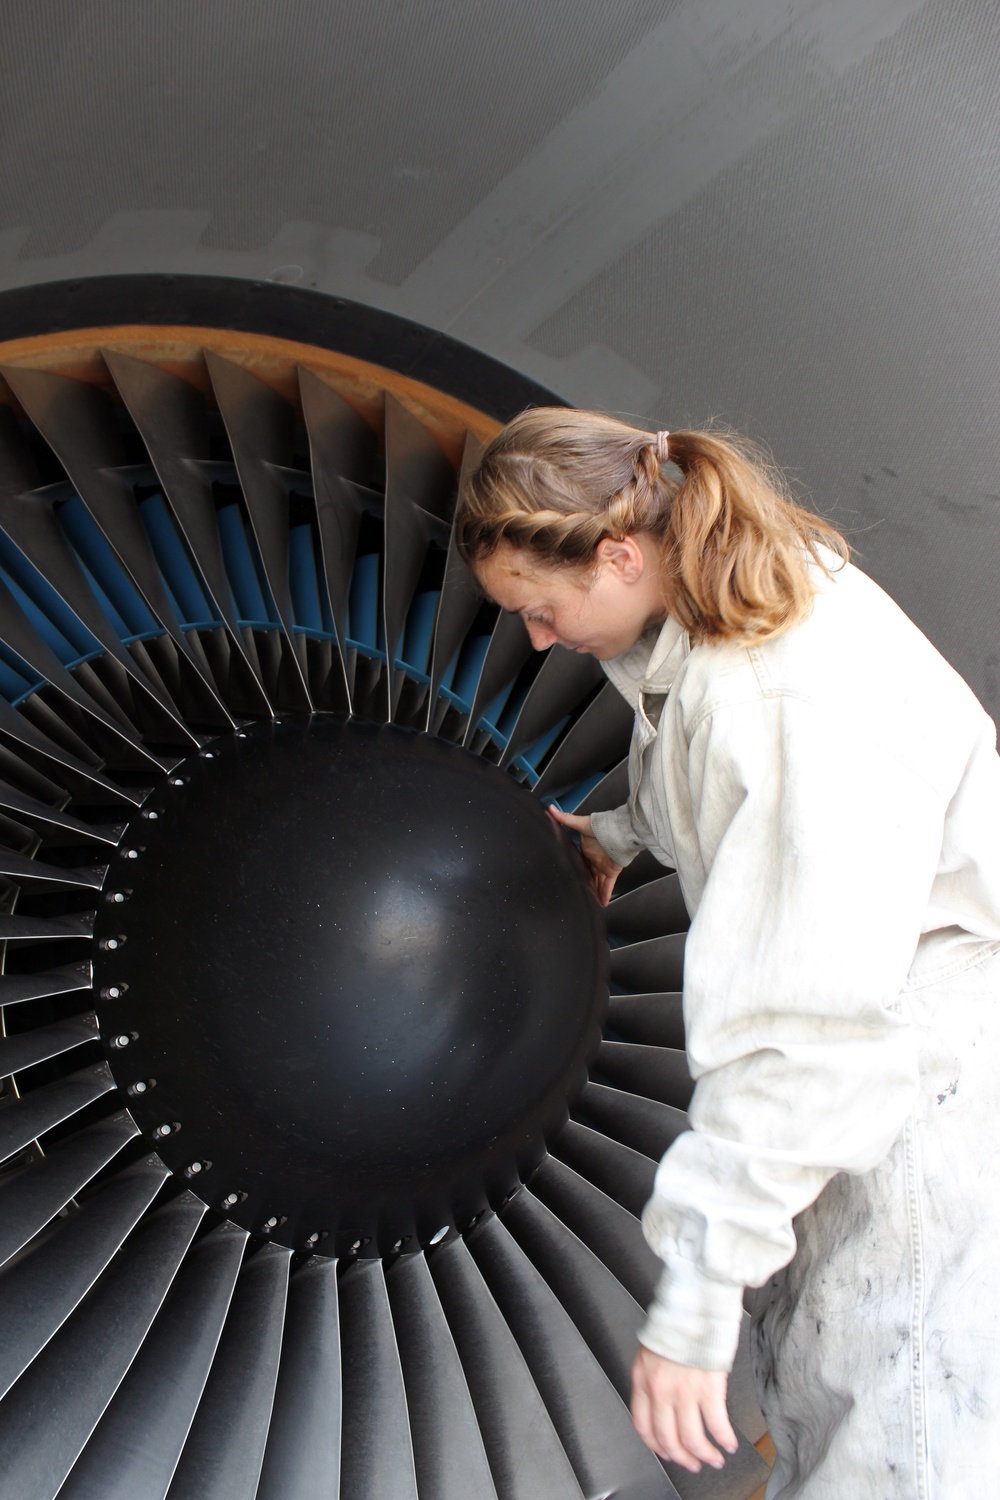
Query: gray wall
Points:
[780, 213]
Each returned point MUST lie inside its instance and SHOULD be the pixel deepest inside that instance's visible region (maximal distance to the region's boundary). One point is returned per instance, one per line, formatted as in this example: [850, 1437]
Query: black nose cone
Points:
[364, 979]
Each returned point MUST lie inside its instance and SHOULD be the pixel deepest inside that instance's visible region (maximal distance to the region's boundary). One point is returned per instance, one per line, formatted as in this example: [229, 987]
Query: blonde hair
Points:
[735, 547]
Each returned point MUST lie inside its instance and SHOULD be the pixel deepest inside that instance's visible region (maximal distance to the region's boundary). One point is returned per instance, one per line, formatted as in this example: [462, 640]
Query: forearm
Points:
[769, 1133]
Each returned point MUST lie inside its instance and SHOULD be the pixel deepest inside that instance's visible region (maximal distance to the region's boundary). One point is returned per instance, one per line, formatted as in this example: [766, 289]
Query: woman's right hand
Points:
[601, 868]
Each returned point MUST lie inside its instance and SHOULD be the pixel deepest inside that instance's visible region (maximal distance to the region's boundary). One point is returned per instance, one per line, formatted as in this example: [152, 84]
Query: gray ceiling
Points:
[780, 213]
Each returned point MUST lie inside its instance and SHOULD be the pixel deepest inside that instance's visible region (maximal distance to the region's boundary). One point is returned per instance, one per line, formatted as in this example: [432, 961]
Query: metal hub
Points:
[352, 976]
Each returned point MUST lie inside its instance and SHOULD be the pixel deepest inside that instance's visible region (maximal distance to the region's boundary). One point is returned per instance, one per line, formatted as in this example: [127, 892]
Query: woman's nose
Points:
[541, 636]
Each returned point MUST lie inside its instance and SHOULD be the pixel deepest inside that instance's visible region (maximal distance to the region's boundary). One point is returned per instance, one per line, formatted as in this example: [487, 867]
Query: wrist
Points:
[614, 832]
[693, 1319]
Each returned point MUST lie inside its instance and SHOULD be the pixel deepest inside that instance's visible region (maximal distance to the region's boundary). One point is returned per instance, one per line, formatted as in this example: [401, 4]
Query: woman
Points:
[828, 791]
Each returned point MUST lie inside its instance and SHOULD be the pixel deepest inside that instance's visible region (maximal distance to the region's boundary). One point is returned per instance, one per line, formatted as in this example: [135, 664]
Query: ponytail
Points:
[735, 548]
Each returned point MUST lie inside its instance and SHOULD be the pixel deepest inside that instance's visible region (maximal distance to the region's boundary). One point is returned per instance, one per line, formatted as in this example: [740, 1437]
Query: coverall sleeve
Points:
[819, 850]
[615, 833]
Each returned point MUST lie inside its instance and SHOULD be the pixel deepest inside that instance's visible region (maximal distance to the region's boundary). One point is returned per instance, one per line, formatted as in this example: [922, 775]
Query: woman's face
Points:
[602, 611]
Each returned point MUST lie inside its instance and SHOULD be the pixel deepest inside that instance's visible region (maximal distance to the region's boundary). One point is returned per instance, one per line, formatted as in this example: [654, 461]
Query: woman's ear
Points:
[624, 557]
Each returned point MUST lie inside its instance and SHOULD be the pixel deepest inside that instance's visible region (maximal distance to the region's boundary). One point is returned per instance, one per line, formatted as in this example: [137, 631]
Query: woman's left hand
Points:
[674, 1407]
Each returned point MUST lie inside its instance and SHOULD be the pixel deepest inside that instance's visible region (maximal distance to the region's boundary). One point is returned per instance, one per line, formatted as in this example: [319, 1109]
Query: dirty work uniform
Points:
[831, 802]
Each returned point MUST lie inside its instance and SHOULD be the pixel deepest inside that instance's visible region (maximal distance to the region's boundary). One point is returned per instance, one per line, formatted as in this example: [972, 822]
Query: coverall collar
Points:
[651, 665]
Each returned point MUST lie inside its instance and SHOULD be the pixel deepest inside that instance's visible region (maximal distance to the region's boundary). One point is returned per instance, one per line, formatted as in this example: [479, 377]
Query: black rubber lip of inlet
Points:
[287, 312]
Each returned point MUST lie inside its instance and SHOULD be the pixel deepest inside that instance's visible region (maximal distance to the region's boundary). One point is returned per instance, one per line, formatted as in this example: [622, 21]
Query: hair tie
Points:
[663, 446]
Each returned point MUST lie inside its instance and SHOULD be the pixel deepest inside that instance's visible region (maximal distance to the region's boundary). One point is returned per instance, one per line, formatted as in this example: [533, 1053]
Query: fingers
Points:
[601, 868]
[693, 1440]
[717, 1421]
[569, 820]
[671, 1407]
[652, 1420]
[678, 1435]
[666, 1442]
[603, 873]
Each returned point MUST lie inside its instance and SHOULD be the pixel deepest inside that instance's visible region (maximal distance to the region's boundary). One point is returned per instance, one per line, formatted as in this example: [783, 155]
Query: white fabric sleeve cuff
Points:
[693, 1319]
[614, 832]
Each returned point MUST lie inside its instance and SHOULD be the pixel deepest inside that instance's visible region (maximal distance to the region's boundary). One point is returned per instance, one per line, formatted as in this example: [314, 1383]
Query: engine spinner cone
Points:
[359, 970]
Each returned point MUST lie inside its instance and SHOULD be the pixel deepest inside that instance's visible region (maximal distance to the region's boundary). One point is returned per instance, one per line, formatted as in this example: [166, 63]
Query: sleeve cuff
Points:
[693, 1319]
[614, 832]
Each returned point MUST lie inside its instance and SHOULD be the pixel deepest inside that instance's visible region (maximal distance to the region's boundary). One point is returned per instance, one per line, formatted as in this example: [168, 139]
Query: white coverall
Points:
[831, 802]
